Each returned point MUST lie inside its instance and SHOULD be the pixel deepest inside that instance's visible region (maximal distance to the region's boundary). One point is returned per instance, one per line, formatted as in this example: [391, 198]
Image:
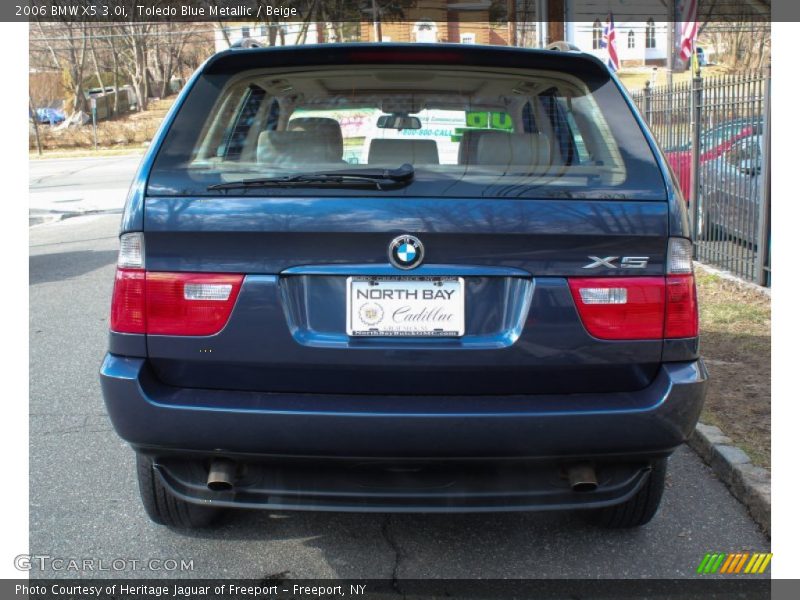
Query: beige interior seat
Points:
[292, 148]
[517, 150]
[329, 132]
[468, 147]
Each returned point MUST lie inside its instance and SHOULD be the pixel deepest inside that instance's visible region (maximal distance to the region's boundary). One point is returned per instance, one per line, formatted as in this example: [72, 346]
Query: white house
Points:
[640, 26]
[638, 42]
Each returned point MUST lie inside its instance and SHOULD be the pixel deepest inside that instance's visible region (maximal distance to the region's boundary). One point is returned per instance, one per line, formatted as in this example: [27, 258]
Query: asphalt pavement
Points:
[66, 187]
[84, 501]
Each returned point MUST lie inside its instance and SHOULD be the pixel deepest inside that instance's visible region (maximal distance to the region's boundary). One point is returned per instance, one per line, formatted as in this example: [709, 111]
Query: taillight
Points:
[162, 303]
[127, 303]
[620, 308]
[681, 319]
[190, 303]
[637, 308]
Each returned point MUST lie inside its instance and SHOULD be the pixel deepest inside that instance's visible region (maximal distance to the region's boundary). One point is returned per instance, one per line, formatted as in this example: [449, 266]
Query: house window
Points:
[597, 35]
[650, 34]
[631, 39]
[245, 32]
[467, 38]
[263, 31]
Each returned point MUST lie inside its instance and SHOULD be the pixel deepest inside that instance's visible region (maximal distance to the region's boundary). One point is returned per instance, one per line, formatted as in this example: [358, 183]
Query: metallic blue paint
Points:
[286, 335]
[282, 380]
[315, 306]
[148, 413]
[678, 213]
[133, 212]
[269, 235]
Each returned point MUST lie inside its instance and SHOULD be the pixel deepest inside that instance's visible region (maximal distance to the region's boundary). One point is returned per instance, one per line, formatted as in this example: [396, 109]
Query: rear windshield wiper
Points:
[380, 179]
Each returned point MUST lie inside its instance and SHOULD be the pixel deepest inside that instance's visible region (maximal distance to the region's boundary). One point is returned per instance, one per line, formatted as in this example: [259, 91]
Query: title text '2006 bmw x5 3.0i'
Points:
[403, 278]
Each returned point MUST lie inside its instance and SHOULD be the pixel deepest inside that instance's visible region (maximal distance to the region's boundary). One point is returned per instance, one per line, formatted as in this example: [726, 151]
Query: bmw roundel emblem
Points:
[406, 252]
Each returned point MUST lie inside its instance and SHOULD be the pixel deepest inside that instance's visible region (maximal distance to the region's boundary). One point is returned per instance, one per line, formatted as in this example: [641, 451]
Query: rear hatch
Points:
[558, 184]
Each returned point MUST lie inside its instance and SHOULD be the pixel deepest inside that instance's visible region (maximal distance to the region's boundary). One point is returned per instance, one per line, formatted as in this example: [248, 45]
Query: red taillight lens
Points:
[620, 308]
[127, 303]
[681, 320]
[190, 303]
[637, 308]
[173, 303]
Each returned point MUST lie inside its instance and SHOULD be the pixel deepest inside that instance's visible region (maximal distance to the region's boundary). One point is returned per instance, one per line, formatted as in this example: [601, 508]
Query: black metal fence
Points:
[715, 134]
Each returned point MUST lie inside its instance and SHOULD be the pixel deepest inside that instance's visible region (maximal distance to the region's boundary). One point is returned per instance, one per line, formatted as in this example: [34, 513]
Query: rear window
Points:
[468, 132]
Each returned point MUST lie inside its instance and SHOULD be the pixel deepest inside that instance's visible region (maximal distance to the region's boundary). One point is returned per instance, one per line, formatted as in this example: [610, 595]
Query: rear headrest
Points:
[292, 147]
[398, 152]
[518, 149]
[328, 130]
[468, 147]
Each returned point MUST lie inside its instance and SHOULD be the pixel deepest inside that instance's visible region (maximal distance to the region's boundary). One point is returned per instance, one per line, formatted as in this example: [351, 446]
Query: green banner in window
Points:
[484, 119]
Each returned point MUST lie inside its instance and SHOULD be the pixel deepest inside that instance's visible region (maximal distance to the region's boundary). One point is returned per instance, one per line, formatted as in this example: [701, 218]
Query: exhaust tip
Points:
[220, 486]
[584, 486]
[582, 477]
[221, 475]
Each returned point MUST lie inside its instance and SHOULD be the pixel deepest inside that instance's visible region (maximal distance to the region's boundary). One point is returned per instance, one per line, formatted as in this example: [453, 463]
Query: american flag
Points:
[609, 42]
[688, 16]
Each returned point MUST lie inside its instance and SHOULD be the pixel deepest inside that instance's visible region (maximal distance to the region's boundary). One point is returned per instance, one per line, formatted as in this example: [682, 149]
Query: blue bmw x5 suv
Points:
[393, 277]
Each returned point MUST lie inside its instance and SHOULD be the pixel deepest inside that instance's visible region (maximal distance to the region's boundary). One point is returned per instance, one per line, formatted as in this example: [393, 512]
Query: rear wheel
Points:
[164, 508]
[638, 510]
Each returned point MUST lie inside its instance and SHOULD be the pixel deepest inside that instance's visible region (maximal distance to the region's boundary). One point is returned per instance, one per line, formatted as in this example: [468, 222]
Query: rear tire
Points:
[639, 509]
[164, 508]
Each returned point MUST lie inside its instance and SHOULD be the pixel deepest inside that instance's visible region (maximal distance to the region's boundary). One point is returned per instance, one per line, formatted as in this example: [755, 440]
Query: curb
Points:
[42, 217]
[749, 484]
[728, 276]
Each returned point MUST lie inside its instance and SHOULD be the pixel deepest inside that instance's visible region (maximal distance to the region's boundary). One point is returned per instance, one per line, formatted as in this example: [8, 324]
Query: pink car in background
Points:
[713, 144]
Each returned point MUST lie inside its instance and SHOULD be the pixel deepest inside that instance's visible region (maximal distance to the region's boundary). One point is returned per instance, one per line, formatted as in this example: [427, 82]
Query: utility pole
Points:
[376, 24]
[672, 15]
[35, 118]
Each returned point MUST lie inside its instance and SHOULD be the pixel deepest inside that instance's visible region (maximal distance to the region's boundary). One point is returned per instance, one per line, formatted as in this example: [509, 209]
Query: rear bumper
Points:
[163, 419]
[402, 454]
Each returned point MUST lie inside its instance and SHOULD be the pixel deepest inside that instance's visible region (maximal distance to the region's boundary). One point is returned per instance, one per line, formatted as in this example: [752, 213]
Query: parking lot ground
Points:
[84, 501]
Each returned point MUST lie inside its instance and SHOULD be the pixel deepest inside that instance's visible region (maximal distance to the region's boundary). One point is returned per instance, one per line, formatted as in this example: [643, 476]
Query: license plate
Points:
[405, 306]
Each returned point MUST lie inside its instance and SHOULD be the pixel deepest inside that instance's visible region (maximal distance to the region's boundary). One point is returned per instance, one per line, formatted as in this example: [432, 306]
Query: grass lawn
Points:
[635, 78]
[735, 341]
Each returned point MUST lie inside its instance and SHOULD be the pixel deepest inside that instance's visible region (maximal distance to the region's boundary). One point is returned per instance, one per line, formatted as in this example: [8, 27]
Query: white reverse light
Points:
[207, 291]
[679, 256]
[604, 295]
[131, 251]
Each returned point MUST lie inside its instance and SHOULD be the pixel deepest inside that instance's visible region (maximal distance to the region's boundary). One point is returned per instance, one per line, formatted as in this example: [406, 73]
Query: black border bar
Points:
[492, 11]
[700, 588]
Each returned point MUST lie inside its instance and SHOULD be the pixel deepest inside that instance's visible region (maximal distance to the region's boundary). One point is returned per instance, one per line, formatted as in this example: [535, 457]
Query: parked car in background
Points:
[481, 300]
[713, 143]
[48, 115]
[731, 193]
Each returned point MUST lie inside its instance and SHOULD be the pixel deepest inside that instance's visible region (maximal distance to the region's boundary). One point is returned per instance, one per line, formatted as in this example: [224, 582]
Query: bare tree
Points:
[742, 46]
[66, 45]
